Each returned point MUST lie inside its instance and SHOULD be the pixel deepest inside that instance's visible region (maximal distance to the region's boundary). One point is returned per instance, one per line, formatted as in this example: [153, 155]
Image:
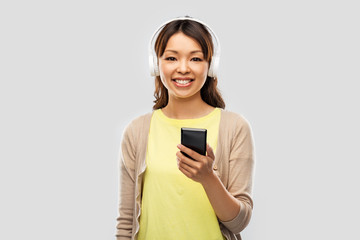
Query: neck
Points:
[187, 108]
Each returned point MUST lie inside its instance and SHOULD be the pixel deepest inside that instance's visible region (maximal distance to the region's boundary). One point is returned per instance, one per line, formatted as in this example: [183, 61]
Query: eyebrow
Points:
[169, 50]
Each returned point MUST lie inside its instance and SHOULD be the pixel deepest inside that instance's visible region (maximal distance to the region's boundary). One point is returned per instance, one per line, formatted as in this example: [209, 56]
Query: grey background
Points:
[74, 73]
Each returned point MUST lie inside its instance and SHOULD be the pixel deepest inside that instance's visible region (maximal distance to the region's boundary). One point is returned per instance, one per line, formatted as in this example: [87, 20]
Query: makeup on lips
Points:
[182, 82]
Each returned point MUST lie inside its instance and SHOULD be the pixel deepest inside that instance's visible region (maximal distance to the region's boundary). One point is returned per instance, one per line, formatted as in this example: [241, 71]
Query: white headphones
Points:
[153, 60]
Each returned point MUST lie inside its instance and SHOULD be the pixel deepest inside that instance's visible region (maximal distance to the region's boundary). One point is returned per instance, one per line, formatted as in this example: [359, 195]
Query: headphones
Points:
[153, 60]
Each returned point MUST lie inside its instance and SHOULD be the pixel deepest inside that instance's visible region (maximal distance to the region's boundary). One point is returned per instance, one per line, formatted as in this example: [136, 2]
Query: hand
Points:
[201, 168]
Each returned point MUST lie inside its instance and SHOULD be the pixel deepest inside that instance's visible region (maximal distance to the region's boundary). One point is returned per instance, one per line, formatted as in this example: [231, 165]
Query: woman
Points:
[163, 193]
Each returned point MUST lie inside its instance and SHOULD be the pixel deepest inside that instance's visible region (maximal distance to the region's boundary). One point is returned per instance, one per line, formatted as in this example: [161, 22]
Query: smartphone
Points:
[195, 139]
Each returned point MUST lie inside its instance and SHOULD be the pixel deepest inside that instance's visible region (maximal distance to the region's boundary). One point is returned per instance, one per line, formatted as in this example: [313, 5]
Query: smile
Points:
[182, 83]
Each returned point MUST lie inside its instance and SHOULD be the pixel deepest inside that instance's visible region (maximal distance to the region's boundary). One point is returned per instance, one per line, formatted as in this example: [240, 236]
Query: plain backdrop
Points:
[75, 73]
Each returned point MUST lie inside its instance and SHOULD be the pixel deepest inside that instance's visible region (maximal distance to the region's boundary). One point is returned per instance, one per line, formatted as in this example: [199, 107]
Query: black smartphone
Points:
[195, 139]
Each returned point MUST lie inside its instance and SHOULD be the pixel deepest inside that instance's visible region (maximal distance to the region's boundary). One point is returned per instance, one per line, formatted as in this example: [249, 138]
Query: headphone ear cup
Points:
[156, 67]
[210, 71]
[151, 65]
[213, 69]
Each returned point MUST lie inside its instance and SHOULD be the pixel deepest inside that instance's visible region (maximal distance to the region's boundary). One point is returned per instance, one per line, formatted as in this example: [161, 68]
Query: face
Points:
[183, 69]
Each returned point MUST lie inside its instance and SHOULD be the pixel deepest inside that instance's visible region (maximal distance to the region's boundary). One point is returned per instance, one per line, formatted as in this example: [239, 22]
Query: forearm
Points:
[126, 203]
[226, 206]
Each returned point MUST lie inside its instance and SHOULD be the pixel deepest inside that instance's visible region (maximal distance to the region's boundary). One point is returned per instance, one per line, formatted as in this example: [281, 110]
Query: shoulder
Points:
[135, 125]
[139, 120]
[239, 135]
[234, 119]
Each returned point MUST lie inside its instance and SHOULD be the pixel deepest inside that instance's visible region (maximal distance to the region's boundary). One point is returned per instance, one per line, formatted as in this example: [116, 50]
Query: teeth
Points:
[182, 81]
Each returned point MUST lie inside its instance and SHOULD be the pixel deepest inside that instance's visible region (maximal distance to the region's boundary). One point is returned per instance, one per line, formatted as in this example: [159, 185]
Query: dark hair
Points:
[209, 92]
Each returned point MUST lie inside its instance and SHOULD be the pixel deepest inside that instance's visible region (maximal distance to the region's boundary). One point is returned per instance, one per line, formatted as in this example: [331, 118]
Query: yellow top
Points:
[174, 206]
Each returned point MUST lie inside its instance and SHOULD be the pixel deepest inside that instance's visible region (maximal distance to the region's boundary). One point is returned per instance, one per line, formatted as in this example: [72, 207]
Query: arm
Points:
[232, 205]
[224, 204]
[127, 183]
[241, 173]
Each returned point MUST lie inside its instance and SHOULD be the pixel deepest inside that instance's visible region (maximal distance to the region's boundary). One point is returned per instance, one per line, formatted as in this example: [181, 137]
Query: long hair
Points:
[209, 92]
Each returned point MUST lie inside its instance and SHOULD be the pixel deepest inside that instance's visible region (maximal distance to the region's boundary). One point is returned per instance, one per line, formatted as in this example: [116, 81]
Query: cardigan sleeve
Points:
[127, 185]
[241, 171]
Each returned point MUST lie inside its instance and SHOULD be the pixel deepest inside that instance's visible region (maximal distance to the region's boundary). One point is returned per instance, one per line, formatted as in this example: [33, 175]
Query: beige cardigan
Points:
[234, 165]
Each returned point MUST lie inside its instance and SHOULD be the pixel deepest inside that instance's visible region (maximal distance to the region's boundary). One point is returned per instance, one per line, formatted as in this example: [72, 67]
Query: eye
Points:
[196, 59]
[170, 58]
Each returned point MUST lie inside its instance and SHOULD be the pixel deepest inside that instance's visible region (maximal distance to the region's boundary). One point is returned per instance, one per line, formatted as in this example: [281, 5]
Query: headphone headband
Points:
[153, 60]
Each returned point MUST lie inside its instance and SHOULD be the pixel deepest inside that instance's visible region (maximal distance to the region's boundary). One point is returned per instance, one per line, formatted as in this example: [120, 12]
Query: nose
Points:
[183, 67]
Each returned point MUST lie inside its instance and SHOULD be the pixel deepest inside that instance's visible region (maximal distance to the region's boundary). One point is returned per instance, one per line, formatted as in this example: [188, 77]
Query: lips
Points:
[183, 82]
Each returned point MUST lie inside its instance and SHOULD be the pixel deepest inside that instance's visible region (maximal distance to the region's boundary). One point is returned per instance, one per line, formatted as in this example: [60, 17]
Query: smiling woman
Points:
[163, 193]
[189, 46]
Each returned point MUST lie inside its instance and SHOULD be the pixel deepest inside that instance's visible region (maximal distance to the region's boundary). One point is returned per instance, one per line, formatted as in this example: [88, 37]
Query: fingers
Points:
[186, 169]
[185, 160]
[199, 169]
[196, 156]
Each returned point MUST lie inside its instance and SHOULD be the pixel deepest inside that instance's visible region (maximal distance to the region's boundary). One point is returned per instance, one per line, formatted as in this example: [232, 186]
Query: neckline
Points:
[166, 118]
